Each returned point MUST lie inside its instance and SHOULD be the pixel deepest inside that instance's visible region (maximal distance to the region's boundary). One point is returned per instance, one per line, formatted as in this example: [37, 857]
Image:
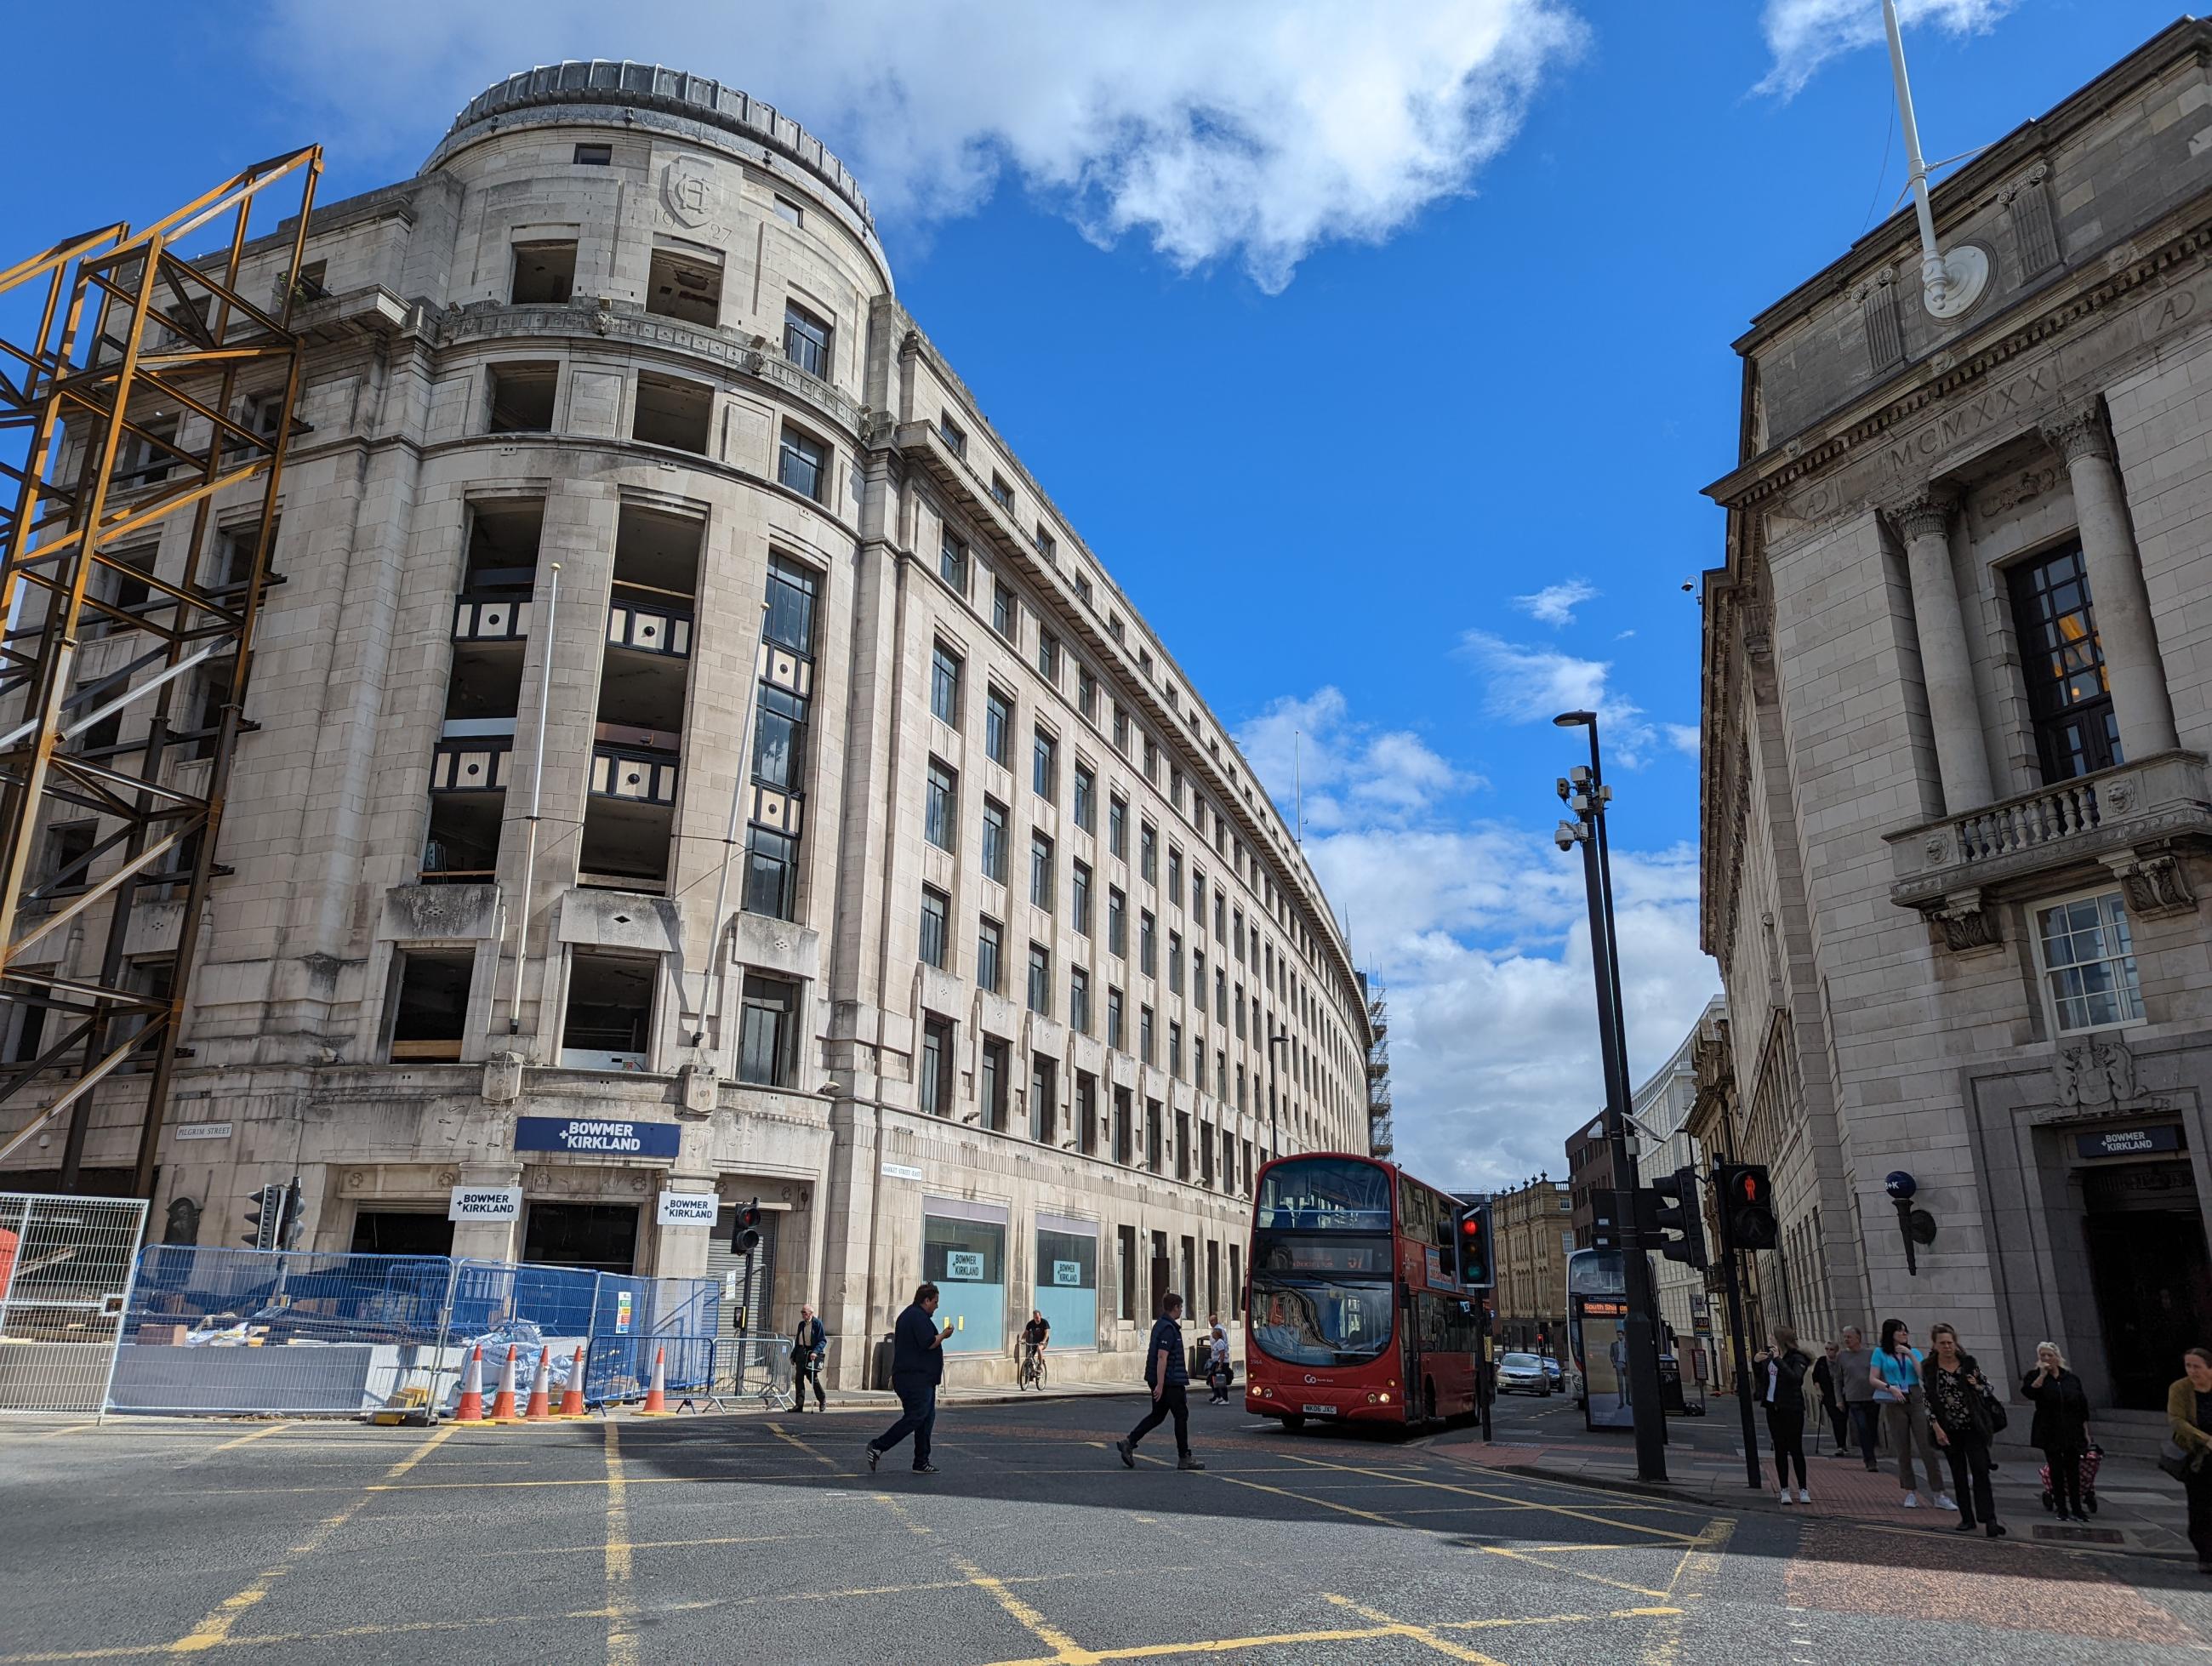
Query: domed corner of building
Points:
[668, 104]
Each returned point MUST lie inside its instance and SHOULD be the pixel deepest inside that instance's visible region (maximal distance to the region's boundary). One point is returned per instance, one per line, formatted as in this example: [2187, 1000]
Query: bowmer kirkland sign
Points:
[596, 1137]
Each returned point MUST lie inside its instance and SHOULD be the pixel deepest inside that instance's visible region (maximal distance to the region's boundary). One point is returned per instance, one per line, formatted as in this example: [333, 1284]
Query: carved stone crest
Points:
[1937, 849]
[689, 192]
[2094, 1077]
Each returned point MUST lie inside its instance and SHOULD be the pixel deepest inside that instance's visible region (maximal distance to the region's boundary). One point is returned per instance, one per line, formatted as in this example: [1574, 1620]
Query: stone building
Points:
[1661, 1113]
[1532, 1229]
[1590, 1187]
[614, 433]
[1957, 701]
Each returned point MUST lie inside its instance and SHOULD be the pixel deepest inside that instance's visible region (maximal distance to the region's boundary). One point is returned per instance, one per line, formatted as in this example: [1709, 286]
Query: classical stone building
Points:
[615, 434]
[1660, 1112]
[1532, 1225]
[1958, 696]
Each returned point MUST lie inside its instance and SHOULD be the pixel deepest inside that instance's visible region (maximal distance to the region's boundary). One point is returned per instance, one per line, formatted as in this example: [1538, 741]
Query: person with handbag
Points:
[2060, 1430]
[808, 1345]
[1779, 1379]
[2188, 1447]
[1962, 1415]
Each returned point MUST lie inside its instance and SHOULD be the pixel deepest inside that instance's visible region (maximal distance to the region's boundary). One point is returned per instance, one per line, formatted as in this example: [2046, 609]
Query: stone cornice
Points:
[1782, 466]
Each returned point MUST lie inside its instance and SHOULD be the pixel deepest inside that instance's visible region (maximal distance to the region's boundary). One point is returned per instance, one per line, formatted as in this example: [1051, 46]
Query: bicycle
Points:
[1033, 1367]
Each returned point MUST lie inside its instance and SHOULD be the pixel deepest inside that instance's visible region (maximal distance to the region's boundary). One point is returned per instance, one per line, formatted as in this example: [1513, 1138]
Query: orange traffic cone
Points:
[540, 1410]
[656, 1398]
[571, 1397]
[470, 1409]
[502, 1403]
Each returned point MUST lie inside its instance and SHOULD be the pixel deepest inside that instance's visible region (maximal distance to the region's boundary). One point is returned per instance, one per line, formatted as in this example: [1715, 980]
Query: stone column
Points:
[1961, 754]
[2140, 701]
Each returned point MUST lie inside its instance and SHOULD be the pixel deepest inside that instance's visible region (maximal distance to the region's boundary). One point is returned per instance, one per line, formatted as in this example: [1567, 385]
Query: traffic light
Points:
[744, 1232]
[293, 1218]
[265, 1217]
[1476, 1267]
[1671, 1221]
[1747, 1207]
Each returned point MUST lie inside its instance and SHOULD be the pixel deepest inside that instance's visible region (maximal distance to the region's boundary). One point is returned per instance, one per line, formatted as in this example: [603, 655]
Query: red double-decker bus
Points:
[1355, 1312]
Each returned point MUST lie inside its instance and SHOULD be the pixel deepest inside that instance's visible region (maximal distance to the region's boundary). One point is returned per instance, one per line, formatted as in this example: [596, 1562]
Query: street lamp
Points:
[1275, 1038]
[1586, 795]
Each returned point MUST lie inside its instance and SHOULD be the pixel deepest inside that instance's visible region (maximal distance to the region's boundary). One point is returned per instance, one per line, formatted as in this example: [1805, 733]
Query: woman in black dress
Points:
[1958, 1418]
[2061, 1431]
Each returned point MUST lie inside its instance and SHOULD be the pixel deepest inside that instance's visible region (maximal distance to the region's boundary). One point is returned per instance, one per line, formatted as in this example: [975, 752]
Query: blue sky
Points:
[1380, 350]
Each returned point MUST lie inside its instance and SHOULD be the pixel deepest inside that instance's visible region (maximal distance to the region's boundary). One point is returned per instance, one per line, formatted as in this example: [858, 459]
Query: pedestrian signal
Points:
[1670, 1218]
[1747, 1220]
[744, 1230]
[1476, 1267]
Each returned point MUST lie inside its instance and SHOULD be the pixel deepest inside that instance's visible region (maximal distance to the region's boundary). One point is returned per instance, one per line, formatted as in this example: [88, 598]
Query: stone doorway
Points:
[2150, 1272]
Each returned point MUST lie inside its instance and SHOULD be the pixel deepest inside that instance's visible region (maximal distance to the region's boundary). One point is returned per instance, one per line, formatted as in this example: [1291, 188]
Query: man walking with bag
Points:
[1168, 1370]
[808, 1344]
[917, 1367]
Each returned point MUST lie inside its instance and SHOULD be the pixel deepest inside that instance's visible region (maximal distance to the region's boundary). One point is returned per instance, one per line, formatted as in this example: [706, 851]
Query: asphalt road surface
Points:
[727, 1538]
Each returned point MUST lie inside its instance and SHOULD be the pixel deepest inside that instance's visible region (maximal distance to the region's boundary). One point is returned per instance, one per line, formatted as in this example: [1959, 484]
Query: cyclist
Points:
[1035, 1335]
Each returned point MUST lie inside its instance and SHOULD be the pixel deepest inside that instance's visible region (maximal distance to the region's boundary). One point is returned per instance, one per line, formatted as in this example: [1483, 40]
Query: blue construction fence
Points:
[221, 1331]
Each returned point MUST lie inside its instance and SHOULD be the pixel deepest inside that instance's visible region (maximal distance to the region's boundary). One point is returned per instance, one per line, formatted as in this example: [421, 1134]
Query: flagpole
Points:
[1950, 284]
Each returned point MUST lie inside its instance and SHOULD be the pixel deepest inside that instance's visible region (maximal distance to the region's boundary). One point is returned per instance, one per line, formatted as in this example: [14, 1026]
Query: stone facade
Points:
[1660, 1112]
[1533, 1228]
[614, 433]
[1957, 704]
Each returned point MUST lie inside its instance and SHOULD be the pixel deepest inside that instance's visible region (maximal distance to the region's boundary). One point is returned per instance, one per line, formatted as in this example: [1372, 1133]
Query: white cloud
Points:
[1344, 773]
[1526, 684]
[1804, 34]
[1246, 130]
[1683, 736]
[1555, 604]
[1479, 933]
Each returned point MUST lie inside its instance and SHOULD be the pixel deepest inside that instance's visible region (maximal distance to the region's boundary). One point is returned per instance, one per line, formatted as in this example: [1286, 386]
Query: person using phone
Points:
[2062, 1427]
[917, 1367]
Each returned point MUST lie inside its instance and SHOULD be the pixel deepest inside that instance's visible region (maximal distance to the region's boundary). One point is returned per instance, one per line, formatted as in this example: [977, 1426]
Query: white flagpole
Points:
[1951, 284]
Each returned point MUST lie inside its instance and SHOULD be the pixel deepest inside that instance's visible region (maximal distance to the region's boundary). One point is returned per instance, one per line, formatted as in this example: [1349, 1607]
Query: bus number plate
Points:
[1318, 1411]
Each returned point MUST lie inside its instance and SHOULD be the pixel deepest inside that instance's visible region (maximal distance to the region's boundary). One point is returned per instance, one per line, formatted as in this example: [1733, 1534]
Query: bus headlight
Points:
[1378, 1399]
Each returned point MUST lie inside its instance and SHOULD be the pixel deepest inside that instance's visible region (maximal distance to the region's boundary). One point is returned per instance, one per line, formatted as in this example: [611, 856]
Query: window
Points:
[593, 156]
[1125, 1241]
[609, 1016]
[1086, 693]
[673, 411]
[2068, 697]
[521, 397]
[1086, 1112]
[936, 926]
[1005, 612]
[686, 285]
[1047, 545]
[1117, 922]
[1001, 493]
[944, 685]
[806, 340]
[1048, 657]
[2089, 963]
[994, 840]
[1144, 1034]
[1148, 944]
[1120, 729]
[1113, 1018]
[1175, 1048]
[1079, 898]
[936, 1066]
[430, 1006]
[1040, 871]
[545, 273]
[1153, 1143]
[1148, 854]
[1182, 1152]
[1040, 990]
[1083, 588]
[1078, 1000]
[780, 739]
[1151, 761]
[1087, 799]
[1221, 1081]
[1044, 1102]
[993, 1085]
[990, 938]
[802, 463]
[791, 588]
[1235, 1252]
[1175, 876]
[940, 818]
[66, 870]
[1175, 962]
[1044, 765]
[952, 563]
[768, 1032]
[1144, 662]
[1117, 827]
[784, 209]
[771, 873]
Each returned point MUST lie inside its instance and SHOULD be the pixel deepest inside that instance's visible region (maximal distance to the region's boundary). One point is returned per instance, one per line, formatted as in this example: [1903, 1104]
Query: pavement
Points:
[723, 1537]
[2138, 1510]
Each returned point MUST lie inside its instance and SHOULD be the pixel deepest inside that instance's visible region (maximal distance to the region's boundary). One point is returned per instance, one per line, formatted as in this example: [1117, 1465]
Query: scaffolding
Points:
[1381, 1137]
[147, 392]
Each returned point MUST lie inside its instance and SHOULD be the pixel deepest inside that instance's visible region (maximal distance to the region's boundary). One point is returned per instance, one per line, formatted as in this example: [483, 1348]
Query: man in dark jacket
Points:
[1167, 1369]
[917, 1367]
[808, 1344]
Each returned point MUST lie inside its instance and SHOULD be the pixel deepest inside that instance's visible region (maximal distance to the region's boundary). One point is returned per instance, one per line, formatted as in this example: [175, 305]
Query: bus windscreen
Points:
[1338, 1193]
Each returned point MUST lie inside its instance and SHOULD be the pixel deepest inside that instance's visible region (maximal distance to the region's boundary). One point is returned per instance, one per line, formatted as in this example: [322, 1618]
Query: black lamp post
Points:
[1586, 795]
[1275, 1039]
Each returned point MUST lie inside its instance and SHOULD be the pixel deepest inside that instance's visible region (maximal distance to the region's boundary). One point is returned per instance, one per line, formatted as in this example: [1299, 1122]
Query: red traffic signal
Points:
[1747, 1219]
[1474, 1240]
[745, 1228]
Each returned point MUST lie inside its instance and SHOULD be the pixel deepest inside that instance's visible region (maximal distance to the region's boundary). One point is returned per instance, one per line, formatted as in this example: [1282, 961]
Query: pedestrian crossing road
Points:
[725, 1538]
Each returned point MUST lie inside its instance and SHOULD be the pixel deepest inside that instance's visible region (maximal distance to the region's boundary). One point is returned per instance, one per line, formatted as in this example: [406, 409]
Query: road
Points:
[732, 1538]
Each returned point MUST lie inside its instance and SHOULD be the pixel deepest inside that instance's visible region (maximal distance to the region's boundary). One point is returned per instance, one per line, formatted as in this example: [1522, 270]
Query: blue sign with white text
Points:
[596, 1136]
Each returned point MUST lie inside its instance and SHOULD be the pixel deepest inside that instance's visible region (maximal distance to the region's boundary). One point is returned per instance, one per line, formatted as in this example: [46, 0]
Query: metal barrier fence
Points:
[65, 1284]
[755, 1365]
[243, 1331]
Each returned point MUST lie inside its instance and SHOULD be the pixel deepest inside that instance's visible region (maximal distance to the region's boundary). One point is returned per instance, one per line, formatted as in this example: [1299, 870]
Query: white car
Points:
[1523, 1373]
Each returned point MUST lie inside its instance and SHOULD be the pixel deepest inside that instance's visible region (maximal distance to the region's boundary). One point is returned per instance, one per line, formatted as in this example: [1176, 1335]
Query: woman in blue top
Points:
[1903, 1402]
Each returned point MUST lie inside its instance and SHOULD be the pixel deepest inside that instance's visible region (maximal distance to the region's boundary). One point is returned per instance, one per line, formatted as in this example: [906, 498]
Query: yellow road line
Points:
[212, 1630]
[1066, 1651]
[1348, 1634]
[1500, 1497]
[247, 1440]
[621, 1640]
[1420, 1634]
[1571, 1572]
